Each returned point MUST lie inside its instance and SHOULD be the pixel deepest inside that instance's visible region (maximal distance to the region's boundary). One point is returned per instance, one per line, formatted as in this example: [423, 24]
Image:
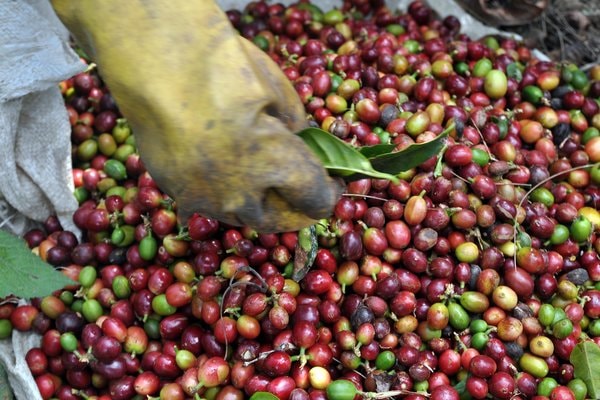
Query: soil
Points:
[566, 30]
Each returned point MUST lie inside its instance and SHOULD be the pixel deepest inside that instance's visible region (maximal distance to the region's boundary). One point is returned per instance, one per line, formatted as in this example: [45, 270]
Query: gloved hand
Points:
[213, 116]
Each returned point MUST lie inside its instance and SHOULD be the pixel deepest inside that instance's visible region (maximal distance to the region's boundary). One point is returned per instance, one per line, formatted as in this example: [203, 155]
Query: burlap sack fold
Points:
[35, 156]
[35, 152]
[12, 358]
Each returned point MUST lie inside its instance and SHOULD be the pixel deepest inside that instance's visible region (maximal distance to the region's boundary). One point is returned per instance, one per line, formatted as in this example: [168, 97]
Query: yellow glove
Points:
[214, 117]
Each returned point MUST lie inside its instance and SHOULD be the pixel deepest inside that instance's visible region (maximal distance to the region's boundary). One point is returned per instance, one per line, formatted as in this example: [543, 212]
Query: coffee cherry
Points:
[487, 245]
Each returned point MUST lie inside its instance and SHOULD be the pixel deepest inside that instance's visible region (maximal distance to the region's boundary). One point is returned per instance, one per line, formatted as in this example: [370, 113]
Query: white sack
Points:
[35, 137]
[35, 156]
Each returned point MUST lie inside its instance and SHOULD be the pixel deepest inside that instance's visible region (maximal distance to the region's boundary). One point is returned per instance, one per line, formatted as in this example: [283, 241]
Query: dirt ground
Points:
[567, 31]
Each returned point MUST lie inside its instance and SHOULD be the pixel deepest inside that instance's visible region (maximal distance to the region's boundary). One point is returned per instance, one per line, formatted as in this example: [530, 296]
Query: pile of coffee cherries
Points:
[472, 277]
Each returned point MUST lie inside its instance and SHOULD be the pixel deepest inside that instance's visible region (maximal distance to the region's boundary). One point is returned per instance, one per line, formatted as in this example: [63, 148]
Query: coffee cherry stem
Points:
[487, 149]
[262, 287]
[362, 224]
[167, 203]
[391, 316]
[248, 268]
[544, 181]
[183, 234]
[196, 389]
[80, 293]
[286, 347]
[114, 219]
[511, 184]
[302, 357]
[461, 345]
[87, 357]
[264, 355]
[364, 196]
[80, 393]
[452, 210]
[357, 349]
[459, 177]
[477, 234]
[439, 165]
[235, 311]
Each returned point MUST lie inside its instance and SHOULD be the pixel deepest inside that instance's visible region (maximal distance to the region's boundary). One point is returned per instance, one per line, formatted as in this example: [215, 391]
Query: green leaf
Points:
[378, 149]
[338, 157]
[305, 252]
[263, 396]
[503, 126]
[461, 387]
[523, 238]
[23, 273]
[502, 123]
[439, 165]
[585, 358]
[513, 71]
[410, 157]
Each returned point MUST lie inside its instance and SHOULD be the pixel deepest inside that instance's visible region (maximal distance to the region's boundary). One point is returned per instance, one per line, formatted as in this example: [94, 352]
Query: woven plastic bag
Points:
[12, 359]
[35, 156]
